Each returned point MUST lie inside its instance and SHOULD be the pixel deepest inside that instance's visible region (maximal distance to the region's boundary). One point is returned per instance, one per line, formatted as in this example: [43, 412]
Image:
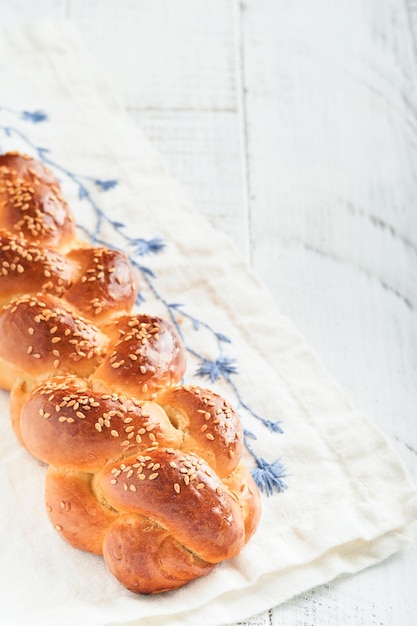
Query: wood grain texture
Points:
[293, 125]
[330, 127]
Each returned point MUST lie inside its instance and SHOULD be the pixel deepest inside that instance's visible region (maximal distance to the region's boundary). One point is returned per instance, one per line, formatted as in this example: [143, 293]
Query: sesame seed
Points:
[210, 437]
[177, 488]
[200, 486]
[132, 487]
[98, 427]
[153, 476]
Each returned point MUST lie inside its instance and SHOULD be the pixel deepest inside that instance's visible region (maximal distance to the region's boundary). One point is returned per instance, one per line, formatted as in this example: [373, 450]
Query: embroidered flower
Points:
[105, 185]
[142, 247]
[269, 476]
[34, 116]
[222, 366]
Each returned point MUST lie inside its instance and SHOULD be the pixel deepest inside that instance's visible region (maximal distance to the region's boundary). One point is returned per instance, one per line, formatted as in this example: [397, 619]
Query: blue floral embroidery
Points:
[222, 366]
[28, 116]
[34, 116]
[269, 476]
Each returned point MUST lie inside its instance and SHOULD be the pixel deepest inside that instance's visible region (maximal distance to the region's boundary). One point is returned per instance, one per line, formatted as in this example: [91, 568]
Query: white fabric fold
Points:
[349, 502]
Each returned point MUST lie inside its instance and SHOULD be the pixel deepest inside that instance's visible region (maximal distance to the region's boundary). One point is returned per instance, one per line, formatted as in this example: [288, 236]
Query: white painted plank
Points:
[169, 55]
[334, 140]
[18, 11]
[331, 135]
[174, 67]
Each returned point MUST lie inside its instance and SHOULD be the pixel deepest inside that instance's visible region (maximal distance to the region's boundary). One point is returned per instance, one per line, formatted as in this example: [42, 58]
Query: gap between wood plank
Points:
[238, 8]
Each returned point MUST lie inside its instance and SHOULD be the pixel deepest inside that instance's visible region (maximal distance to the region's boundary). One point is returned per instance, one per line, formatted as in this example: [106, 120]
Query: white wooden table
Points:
[293, 124]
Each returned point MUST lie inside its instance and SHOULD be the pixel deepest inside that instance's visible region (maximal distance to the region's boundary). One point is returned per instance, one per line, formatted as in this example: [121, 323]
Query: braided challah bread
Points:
[141, 469]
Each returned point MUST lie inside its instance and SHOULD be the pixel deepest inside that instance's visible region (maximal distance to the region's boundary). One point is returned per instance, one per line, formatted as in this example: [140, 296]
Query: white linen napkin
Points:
[346, 501]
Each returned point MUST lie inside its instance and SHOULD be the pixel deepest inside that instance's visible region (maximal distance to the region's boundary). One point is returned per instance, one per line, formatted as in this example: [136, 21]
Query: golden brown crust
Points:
[27, 268]
[31, 204]
[141, 469]
[242, 487]
[145, 356]
[39, 338]
[97, 282]
[147, 559]
[19, 165]
[74, 511]
[211, 426]
[19, 395]
[179, 492]
[104, 285]
[105, 427]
